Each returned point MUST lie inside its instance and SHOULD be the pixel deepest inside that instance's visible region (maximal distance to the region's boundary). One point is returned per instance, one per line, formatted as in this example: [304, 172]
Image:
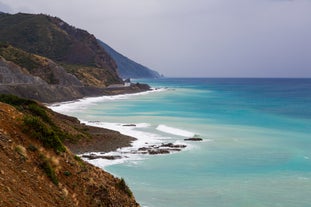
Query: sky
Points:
[195, 38]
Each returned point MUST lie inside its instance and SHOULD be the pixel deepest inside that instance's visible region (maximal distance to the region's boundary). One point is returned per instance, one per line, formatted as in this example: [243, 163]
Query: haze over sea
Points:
[256, 150]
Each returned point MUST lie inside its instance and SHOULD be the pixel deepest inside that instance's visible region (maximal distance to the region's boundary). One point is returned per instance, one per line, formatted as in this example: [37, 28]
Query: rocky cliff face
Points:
[40, 171]
[12, 74]
[36, 77]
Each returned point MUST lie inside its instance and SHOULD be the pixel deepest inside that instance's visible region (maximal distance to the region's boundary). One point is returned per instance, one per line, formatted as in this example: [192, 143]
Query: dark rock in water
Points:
[164, 148]
[143, 149]
[107, 157]
[129, 125]
[171, 145]
[158, 151]
[194, 139]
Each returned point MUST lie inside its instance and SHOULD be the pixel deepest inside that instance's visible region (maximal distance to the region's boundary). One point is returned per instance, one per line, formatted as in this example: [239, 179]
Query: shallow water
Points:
[256, 149]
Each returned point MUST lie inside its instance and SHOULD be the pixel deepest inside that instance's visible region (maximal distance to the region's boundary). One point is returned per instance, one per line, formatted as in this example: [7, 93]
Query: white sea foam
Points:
[144, 139]
[175, 131]
[83, 103]
[145, 133]
[141, 136]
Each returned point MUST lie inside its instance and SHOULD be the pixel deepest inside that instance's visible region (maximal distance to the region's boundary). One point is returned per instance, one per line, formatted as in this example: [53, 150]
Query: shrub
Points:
[39, 130]
[67, 173]
[47, 168]
[15, 101]
[32, 148]
[37, 110]
[123, 187]
[21, 151]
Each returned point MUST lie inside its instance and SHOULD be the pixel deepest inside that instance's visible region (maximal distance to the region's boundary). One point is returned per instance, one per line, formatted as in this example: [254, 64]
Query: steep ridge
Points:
[37, 169]
[128, 68]
[55, 39]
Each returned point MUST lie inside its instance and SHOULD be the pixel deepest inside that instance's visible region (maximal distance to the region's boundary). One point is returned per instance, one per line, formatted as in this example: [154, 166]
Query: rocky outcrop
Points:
[164, 148]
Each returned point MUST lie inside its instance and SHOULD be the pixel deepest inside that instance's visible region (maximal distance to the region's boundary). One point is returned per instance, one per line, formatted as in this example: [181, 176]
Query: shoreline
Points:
[122, 141]
[101, 139]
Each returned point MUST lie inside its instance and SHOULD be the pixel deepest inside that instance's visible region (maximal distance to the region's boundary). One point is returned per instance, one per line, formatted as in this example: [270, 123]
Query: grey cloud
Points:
[197, 38]
[5, 8]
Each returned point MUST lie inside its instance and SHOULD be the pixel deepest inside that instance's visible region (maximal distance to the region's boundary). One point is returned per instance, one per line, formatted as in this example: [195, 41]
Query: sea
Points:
[256, 148]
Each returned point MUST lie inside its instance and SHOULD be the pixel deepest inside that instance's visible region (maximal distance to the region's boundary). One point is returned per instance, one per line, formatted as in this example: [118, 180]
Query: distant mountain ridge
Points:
[128, 68]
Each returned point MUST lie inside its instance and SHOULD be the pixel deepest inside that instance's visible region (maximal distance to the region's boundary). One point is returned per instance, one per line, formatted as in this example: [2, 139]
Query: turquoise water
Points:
[256, 149]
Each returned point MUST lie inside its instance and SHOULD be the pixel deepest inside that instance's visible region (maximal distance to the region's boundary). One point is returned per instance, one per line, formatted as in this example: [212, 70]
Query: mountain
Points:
[128, 68]
[38, 169]
[75, 49]
[44, 58]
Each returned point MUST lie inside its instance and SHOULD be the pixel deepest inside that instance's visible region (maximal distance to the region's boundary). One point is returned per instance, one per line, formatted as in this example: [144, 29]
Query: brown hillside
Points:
[34, 172]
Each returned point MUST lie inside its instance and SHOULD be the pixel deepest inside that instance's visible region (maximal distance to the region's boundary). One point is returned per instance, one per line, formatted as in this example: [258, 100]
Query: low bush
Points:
[123, 187]
[48, 169]
[41, 131]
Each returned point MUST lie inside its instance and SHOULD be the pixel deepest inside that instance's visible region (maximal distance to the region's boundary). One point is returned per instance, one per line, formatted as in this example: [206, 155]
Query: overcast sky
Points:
[195, 38]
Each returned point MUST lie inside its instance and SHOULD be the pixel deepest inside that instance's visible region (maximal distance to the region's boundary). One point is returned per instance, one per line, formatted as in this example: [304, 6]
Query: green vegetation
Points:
[35, 64]
[67, 173]
[39, 111]
[32, 148]
[37, 123]
[91, 76]
[52, 38]
[77, 158]
[48, 169]
[15, 101]
[34, 33]
[43, 132]
[19, 57]
[123, 187]
[21, 151]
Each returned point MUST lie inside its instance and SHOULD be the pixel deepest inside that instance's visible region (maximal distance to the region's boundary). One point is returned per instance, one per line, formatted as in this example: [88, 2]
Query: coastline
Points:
[122, 141]
[100, 139]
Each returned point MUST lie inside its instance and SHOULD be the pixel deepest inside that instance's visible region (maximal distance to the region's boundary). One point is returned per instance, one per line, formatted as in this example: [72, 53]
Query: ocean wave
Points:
[175, 131]
[86, 102]
[144, 139]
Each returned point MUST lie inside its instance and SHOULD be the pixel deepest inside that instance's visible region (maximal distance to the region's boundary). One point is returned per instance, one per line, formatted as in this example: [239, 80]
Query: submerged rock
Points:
[194, 139]
[107, 157]
[164, 148]
[129, 125]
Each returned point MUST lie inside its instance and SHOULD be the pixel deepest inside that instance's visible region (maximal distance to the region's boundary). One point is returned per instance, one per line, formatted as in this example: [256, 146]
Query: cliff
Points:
[37, 169]
[128, 68]
[36, 77]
